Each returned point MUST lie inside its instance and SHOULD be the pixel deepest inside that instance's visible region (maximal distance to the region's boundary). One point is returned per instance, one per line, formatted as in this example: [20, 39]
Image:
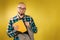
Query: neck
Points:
[21, 15]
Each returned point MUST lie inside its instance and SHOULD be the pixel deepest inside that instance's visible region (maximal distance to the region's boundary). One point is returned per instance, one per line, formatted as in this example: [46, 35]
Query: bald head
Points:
[21, 4]
[21, 8]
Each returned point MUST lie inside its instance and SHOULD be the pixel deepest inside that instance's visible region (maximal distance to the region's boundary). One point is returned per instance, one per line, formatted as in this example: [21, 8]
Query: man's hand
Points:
[15, 27]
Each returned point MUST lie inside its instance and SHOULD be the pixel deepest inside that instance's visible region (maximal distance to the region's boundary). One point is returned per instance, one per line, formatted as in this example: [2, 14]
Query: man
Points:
[28, 21]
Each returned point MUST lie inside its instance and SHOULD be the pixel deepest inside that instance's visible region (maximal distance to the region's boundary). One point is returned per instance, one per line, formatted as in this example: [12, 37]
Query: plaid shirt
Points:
[11, 32]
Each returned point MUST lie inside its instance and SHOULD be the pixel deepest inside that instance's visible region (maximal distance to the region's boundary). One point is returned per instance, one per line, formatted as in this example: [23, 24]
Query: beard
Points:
[21, 14]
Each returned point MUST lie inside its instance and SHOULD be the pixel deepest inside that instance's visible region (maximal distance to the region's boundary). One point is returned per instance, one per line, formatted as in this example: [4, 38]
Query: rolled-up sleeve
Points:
[33, 26]
[10, 29]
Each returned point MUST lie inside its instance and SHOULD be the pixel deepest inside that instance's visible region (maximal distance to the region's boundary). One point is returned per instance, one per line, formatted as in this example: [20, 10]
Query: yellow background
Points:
[46, 14]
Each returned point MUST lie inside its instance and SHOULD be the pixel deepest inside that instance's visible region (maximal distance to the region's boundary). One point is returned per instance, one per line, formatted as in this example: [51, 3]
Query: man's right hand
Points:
[15, 27]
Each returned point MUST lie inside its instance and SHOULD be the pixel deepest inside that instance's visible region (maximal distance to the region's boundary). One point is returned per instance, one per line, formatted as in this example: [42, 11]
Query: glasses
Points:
[22, 8]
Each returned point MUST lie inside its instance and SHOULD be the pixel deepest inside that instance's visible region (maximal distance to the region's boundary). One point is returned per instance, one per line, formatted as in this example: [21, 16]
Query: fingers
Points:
[15, 27]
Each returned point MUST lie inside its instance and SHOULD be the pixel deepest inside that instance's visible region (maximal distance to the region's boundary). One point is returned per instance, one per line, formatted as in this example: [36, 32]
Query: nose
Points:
[21, 10]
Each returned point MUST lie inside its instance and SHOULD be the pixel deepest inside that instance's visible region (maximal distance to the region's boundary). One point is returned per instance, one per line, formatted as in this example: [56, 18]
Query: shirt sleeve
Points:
[10, 29]
[33, 26]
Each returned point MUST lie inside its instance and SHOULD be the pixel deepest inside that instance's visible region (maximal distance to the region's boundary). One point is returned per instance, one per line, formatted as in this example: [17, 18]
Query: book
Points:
[21, 26]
